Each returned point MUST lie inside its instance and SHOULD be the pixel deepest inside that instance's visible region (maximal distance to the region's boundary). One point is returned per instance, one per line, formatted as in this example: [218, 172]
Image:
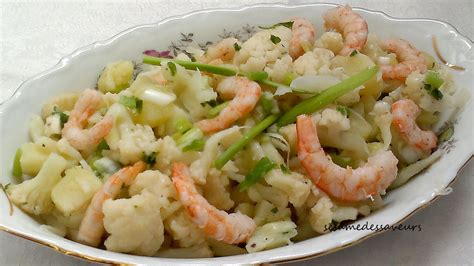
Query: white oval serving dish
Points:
[80, 69]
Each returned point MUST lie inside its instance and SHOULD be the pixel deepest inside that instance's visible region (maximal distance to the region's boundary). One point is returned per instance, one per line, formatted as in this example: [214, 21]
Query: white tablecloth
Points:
[34, 36]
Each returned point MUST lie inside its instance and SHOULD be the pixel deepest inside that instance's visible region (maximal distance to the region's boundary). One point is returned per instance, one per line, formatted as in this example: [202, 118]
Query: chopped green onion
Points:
[182, 125]
[340, 160]
[102, 146]
[328, 96]
[285, 169]
[274, 210]
[260, 169]
[288, 24]
[242, 142]
[62, 116]
[213, 112]
[433, 79]
[172, 68]
[257, 76]
[434, 92]
[289, 77]
[353, 53]
[446, 134]
[196, 145]
[131, 102]
[275, 39]
[266, 101]
[224, 71]
[237, 47]
[17, 171]
[149, 158]
[187, 138]
[343, 110]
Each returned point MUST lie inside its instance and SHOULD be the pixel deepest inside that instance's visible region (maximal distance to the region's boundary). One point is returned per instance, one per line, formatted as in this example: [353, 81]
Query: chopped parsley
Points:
[149, 158]
[62, 116]
[288, 24]
[237, 47]
[353, 53]
[285, 169]
[102, 146]
[343, 110]
[275, 39]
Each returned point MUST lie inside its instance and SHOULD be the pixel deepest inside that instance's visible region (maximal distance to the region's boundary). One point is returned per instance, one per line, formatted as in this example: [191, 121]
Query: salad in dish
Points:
[238, 148]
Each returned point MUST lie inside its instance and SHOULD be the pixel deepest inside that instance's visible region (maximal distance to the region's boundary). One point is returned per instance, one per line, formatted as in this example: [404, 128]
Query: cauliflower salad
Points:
[243, 147]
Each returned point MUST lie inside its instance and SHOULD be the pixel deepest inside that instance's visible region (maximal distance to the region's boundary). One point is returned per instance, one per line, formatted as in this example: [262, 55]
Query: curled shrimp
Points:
[303, 35]
[74, 132]
[245, 94]
[342, 183]
[92, 226]
[404, 114]
[221, 52]
[230, 228]
[410, 60]
[350, 24]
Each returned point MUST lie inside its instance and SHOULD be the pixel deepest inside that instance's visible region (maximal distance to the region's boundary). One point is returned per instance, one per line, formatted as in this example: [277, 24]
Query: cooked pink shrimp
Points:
[350, 24]
[342, 183]
[404, 113]
[230, 228]
[223, 51]
[410, 60]
[92, 226]
[303, 34]
[245, 94]
[74, 132]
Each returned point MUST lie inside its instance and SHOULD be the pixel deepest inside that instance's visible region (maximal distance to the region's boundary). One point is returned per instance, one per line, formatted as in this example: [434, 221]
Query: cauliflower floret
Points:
[259, 50]
[320, 216]
[192, 89]
[34, 195]
[134, 225]
[313, 62]
[278, 71]
[334, 121]
[135, 141]
[215, 190]
[168, 153]
[183, 230]
[330, 40]
[159, 185]
[296, 186]
[116, 76]
[259, 192]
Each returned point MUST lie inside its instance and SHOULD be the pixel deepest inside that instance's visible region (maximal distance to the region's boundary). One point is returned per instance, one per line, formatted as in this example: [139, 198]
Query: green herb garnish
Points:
[353, 53]
[195, 145]
[131, 102]
[62, 116]
[275, 39]
[288, 24]
[150, 159]
[260, 169]
[237, 47]
[285, 169]
[446, 134]
[343, 110]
